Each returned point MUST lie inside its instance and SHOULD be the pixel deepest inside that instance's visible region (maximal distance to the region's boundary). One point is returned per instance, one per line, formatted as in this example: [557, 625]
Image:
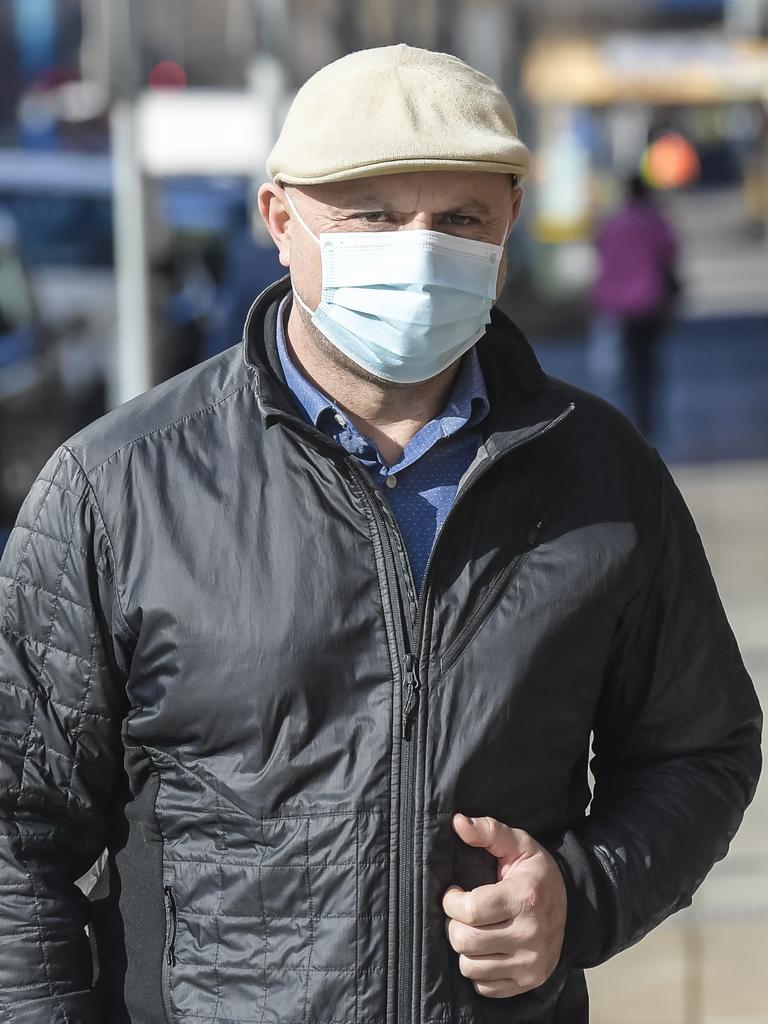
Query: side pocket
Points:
[169, 951]
[488, 604]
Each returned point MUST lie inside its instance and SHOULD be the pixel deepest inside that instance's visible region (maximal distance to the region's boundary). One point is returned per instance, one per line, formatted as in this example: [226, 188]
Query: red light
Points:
[167, 75]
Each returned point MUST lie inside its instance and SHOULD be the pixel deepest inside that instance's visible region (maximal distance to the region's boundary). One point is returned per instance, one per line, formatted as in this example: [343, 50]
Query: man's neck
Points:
[390, 415]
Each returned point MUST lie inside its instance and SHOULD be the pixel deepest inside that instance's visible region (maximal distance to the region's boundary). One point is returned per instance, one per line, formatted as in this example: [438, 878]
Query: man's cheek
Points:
[306, 273]
[502, 276]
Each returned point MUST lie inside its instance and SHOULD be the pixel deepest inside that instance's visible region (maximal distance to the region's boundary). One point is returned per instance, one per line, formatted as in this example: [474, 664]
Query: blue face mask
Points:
[404, 305]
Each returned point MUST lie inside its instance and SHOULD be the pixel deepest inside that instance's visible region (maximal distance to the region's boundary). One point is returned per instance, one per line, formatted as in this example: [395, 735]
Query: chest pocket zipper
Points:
[169, 951]
[492, 598]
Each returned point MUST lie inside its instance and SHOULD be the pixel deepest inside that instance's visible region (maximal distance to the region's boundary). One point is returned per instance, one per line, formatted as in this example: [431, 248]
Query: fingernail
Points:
[469, 819]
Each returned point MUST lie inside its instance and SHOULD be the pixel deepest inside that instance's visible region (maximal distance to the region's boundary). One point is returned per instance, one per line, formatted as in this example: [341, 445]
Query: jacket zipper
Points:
[409, 642]
[169, 952]
[404, 636]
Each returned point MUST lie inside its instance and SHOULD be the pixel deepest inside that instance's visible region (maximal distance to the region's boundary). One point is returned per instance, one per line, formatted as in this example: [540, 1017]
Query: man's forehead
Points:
[441, 189]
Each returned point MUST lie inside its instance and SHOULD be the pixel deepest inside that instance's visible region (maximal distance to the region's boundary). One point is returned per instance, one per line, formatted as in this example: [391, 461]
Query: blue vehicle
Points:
[56, 308]
[19, 327]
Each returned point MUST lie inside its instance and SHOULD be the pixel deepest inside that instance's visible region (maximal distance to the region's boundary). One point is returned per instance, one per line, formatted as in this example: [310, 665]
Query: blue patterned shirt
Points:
[420, 487]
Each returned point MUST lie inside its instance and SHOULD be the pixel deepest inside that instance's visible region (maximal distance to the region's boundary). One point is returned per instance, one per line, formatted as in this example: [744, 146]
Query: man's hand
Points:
[508, 934]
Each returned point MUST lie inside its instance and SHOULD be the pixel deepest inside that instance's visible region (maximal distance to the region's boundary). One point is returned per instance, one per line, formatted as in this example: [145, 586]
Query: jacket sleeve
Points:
[62, 696]
[676, 754]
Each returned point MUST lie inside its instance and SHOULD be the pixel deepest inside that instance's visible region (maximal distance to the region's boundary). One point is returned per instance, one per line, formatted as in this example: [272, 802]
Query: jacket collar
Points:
[524, 400]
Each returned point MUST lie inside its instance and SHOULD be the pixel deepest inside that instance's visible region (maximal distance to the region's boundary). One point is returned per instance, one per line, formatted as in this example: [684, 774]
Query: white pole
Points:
[132, 365]
[131, 368]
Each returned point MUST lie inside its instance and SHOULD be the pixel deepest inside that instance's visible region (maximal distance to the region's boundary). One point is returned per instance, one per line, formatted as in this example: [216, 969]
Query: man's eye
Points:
[461, 220]
[375, 217]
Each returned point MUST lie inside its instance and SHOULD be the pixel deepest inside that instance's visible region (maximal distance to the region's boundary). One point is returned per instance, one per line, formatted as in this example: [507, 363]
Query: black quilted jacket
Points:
[214, 664]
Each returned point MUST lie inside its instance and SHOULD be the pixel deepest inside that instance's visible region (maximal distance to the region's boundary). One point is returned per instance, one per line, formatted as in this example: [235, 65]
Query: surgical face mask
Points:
[404, 305]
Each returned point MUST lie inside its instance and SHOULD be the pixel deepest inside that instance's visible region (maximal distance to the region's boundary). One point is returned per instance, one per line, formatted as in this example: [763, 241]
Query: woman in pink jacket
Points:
[636, 285]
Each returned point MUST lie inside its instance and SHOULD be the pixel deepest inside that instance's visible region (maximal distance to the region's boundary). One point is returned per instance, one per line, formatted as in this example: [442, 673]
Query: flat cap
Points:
[394, 109]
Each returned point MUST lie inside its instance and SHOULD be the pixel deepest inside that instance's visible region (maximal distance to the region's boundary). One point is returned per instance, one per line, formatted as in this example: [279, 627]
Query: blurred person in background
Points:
[186, 292]
[314, 637]
[635, 291]
[250, 265]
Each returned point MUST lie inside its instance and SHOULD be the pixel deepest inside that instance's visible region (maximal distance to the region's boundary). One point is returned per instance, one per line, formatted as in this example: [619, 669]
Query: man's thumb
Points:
[505, 843]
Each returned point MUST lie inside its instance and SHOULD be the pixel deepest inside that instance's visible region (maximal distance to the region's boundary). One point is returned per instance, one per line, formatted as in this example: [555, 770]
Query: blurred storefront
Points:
[600, 103]
[593, 84]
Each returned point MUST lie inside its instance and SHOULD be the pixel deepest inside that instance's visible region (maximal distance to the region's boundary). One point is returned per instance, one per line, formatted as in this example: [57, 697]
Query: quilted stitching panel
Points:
[292, 929]
[59, 735]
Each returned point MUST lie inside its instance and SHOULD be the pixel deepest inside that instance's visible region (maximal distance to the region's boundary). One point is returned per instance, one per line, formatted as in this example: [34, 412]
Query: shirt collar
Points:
[312, 402]
[467, 404]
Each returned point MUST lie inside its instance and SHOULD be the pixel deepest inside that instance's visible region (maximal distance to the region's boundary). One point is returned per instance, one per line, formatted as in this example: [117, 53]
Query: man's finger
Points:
[500, 989]
[486, 968]
[506, 843]
[516, 973]
[486, 904]
[489, 940]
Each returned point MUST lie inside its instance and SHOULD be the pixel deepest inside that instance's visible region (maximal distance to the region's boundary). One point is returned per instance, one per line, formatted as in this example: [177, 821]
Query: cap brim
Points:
[370, 170]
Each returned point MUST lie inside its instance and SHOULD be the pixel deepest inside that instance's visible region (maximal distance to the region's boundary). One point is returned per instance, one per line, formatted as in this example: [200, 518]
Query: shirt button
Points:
[391, 481]
[340, 419]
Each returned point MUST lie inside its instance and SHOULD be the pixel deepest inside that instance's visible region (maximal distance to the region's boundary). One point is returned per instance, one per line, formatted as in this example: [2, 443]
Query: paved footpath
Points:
[709, 964]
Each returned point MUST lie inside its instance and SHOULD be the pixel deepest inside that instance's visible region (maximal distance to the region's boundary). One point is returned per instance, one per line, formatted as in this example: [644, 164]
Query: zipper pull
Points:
[170, 910]
[534, 534]
[411, 685]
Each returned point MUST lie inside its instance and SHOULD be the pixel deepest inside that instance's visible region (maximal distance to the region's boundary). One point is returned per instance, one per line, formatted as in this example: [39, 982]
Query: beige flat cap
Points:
[394, 109]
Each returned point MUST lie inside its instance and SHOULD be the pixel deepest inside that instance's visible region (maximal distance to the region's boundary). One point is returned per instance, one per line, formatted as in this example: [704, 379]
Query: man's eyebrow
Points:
[471, 205]
[371, 203]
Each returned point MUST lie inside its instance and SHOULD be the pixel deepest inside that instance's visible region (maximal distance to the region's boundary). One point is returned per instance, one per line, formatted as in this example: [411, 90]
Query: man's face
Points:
[468, 204]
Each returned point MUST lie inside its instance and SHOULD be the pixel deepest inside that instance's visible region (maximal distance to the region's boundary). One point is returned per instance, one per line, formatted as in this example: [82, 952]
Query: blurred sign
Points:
[644, 67]
[204, 132]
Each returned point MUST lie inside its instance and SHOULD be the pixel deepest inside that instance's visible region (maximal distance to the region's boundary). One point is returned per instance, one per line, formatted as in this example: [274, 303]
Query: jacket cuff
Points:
[590, 918]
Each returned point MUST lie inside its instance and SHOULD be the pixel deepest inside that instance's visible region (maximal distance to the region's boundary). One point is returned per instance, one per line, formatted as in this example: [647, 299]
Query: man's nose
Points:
[421, 221]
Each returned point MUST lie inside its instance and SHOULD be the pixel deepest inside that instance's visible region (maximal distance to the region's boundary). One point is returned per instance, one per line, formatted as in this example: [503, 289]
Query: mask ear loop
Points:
[312, 235]
[299, 218]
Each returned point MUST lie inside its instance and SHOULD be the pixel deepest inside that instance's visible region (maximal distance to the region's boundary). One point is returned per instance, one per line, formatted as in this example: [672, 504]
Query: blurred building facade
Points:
[578, 77]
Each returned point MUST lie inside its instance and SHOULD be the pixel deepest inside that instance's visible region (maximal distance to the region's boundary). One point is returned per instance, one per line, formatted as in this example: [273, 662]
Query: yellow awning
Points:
[647, 69]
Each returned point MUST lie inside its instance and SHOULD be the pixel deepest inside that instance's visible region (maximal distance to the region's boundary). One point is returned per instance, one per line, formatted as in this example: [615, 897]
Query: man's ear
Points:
[276, 216]
[517, 202]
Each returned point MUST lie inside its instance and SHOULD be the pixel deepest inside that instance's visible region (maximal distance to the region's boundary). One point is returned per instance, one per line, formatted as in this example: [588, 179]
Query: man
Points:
[313, 637]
